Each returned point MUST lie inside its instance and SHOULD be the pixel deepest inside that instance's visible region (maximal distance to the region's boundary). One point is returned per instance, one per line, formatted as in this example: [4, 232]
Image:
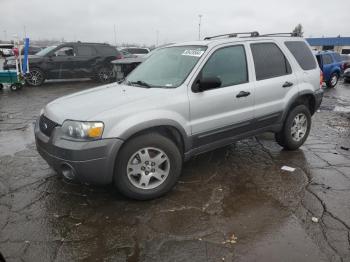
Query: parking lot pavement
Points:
[231, 204]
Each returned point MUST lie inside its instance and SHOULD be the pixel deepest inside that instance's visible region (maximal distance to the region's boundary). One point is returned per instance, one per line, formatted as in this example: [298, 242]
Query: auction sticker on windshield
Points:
[197, 53]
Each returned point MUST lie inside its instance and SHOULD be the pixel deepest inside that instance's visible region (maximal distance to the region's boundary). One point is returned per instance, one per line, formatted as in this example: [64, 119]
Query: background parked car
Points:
[331, 65]
[138, 51]
[70, 60]
[347, 75]
[346, 60]
[6, 50]
[126, 54]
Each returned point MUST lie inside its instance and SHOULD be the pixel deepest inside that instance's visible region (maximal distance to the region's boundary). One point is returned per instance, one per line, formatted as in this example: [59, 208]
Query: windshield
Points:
[168, 67]
[45, 50]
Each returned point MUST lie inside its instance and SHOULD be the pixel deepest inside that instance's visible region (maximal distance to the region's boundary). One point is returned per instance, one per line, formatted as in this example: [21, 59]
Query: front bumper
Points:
[93, 161]
[318, 98]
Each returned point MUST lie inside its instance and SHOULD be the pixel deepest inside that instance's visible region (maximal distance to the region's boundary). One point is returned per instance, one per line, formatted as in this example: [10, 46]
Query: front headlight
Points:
[82, 130]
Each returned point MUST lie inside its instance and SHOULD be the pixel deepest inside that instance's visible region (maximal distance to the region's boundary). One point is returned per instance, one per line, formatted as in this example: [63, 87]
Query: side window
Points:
[107, 50]
[327, 59]
[65, 51]
[302, 54]
[229, 64]
[86, 50]
[269, 61]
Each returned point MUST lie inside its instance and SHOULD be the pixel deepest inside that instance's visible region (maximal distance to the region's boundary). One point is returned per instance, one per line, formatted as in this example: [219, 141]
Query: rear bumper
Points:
[318, 98]
[92, 162]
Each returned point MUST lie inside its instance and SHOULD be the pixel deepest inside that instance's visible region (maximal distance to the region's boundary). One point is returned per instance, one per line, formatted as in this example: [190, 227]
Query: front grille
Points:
[46, 125]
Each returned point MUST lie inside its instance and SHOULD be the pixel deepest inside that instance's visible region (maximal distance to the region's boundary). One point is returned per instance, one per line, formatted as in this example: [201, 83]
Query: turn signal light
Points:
[321, 78]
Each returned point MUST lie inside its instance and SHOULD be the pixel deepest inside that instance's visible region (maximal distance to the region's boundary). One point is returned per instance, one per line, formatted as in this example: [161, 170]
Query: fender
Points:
[131, 125]
[293, 100]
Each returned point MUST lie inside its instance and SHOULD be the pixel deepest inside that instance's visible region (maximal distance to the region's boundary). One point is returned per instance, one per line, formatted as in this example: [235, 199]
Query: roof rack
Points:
[252, 34]
[281, 34]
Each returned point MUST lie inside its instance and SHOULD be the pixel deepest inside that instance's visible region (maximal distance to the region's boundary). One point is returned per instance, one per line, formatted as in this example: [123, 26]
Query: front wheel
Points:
[147, 167]
[15, 87]
[296, 128]
[35, 77]
[333, 80]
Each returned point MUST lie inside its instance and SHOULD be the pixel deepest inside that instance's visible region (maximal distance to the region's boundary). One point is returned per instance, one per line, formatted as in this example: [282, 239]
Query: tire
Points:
[16, 87]
[36, 77]
[132, 159]
[293, 135]
[1, 86]
[333, 80]
[104, 75]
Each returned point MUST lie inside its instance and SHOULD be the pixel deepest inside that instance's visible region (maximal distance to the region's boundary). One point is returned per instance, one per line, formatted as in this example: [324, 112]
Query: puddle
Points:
[15, 140]
[345, 109]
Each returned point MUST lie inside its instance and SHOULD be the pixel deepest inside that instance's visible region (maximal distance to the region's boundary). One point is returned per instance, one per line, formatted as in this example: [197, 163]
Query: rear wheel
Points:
[333, 80]
[147, 167]
[296, 128]
[35, 77]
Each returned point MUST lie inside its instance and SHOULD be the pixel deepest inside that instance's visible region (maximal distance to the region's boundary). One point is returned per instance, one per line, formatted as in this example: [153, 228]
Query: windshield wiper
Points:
[140, 83]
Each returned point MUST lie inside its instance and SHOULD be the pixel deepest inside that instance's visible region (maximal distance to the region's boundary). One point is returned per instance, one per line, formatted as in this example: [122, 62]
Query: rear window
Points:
[327, 59]
[137, 50]
[269, 61]
[107, 50]
[302, 54]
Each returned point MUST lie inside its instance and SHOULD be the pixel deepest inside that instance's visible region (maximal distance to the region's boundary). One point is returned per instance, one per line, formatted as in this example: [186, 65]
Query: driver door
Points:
[228, 110]
[61, 64]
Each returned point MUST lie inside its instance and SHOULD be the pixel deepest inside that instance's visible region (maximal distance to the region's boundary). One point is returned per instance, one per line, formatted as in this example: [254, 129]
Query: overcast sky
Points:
[137, 21]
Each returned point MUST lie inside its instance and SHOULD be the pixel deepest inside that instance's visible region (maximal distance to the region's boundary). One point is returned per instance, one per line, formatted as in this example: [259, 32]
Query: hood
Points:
[30, 57]
[85, 105]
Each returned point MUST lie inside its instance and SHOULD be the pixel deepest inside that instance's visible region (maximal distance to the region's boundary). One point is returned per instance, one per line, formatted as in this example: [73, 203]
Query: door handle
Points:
[242, 94]
[287, 84]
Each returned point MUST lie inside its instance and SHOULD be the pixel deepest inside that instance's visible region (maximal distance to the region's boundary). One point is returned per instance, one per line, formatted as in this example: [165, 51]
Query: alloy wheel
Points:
[148, 168]
[299, 127]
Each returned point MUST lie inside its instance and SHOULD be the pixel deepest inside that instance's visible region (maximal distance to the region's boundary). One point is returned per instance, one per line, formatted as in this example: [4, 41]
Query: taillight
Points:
[119, 56]
[321, 78]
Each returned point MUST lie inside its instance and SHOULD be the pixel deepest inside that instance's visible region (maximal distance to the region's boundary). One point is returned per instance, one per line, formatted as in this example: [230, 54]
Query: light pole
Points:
[199, 27]
[115, 36]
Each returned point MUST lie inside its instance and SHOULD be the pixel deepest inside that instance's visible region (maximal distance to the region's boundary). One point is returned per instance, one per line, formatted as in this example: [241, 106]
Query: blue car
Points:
[331, 65]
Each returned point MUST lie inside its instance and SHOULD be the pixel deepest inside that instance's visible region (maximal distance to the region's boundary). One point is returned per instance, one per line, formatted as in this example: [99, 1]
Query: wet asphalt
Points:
[232, 204]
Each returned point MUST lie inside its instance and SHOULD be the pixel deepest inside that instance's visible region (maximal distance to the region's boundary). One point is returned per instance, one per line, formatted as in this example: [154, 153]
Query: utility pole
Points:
[157, 42]
[199, 27]
[25, 32]
[115, 36]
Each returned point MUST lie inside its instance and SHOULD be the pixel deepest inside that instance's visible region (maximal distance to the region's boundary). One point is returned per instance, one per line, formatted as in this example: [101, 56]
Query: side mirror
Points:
[206, 84]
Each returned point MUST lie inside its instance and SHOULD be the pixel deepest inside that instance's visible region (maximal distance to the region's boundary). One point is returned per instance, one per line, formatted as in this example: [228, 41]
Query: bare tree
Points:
[298, 30]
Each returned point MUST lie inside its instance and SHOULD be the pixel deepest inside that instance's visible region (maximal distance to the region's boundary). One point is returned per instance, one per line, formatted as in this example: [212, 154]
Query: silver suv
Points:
[184, 100]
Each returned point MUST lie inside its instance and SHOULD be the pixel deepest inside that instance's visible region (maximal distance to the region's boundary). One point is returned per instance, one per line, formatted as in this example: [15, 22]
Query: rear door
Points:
[221, 113]
[84, 61]
[274, 79]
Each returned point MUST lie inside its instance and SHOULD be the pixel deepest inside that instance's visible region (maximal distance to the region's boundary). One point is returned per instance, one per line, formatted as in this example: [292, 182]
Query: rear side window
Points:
[86, 50]
[229, 65]
[269, 61]
[302, 54]
[327, 59]
[107, 50]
